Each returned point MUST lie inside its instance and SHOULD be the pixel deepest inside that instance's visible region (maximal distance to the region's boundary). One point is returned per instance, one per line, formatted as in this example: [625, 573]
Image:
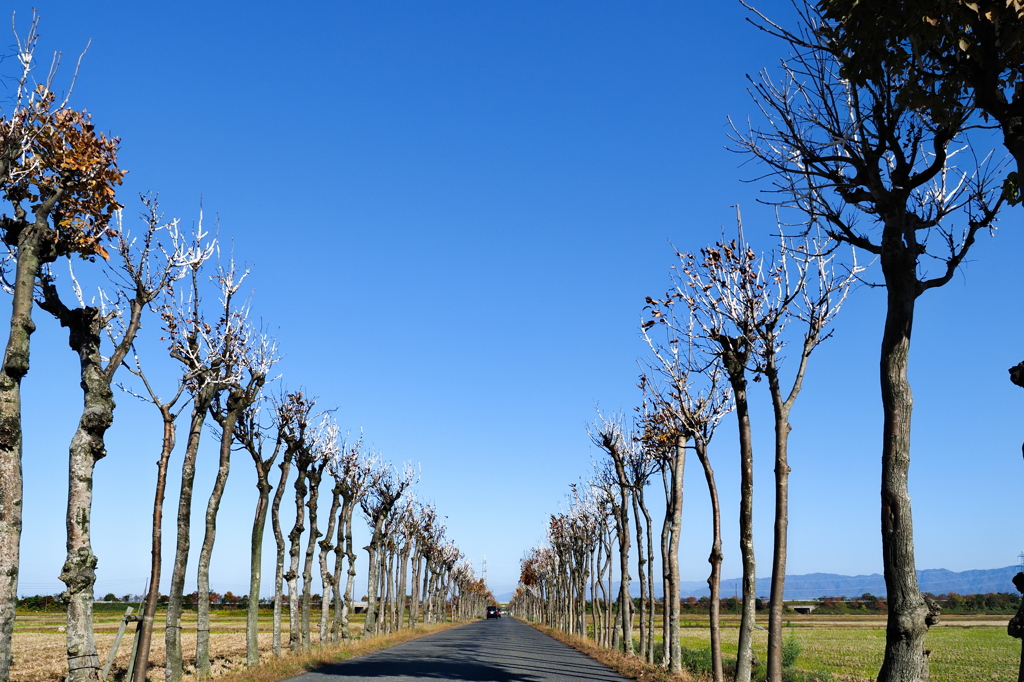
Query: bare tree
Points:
[58, 174]
[322, 447]
[356, 472]
[689, 398]
[762, 297]
[251, 435]
[641, 464]
[202, 354]
[610, 435]
[426, 520]
[190, 255]
[388, 487]
[334, 451]
[248, 358]
[838, 151]
[730, 324]
[139, 278]
[291, 418]
[294, 415]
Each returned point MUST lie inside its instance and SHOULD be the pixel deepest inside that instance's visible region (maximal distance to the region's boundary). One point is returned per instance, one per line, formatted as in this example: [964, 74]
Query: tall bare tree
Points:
[688, 398]
[191, 253]
[143, 270]
[841, 152]
[355, 472]
[426, 517]
[611, 436]
[295, 412]
[58, 175]
[322, 448]
[248, 358]
[641, 464]
[763, 297]
[252, 436]
[388, 487]
[291, 415]
[329, 579]
[202, 354]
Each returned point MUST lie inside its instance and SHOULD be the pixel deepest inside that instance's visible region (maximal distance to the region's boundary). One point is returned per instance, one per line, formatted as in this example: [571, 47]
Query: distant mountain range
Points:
[815, 585]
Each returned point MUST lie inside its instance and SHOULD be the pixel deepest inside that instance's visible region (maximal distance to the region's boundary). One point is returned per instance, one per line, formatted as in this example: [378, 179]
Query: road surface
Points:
[497, 650]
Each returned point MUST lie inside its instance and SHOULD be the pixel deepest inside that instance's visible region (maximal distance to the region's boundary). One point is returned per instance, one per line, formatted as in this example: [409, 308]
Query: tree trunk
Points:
[172, 636]
[735, 352]
[745, 651]
[79, 571]
[625, 601]
[427, 594]
[641, 561]
[14, 369]
[403, 570]
[328, 579]
[594, 578]
[153, 593]
[350, 554]
[275, 521]
[314, 477]
[85, 326]
[373, 578]
[414, 602]
[294, 550]
[650, 581]
[909, 616]
[339, 558]
[666, 571]
[606, 593]
[227, 425]
[778, 579]
[678, 466]
[715, 559]
[252, 613]
[388, 578]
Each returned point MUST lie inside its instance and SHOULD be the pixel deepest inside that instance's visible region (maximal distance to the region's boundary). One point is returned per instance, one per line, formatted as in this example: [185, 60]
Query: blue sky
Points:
[453, 212]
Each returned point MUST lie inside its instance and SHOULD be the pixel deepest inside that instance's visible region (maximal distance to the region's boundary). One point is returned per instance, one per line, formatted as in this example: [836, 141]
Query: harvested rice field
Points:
[40, 656]
[964, 648]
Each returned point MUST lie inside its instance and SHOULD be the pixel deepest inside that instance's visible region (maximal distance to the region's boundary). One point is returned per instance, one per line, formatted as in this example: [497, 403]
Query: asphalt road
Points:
[489, 650]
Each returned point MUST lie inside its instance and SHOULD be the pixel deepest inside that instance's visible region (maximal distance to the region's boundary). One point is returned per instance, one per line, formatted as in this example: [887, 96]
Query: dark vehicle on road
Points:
[493, 612]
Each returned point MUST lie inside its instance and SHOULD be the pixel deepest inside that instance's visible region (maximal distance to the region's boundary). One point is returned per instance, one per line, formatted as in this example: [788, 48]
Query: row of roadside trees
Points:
[59, 175]
[876, 137]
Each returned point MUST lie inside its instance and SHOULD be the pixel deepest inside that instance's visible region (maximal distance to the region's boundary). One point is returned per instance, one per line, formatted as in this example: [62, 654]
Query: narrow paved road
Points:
[489, 650]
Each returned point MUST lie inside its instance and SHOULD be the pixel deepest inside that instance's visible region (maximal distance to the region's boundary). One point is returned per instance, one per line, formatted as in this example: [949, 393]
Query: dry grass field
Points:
[964, 648]
[39, 653]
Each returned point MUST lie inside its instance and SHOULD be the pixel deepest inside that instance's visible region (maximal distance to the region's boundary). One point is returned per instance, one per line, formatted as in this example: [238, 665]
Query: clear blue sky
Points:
[453, 212]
